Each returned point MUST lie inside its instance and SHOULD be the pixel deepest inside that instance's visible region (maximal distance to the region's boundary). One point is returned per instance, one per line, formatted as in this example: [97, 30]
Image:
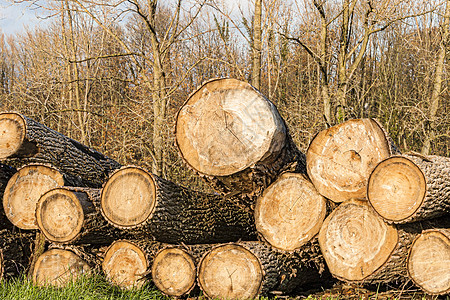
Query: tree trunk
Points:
[290, 212]
[23, 191]
[252, 269]
[256, 46]
[15, 250]
[428, 261]
[410, 188]
[6, 172]
[141, 202]
[230, 133]
[359, 246]
[69, 215]
[340, 159]
[32, 142]
[126, 262]
[58, 267]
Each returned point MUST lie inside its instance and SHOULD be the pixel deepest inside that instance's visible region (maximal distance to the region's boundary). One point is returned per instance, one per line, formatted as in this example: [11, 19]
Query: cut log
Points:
[290, 212]
[68, 215]
[340, 159]
[126, 262]
[15, 250]
[24, 190]
[6, 172]
[58, 267]
[141, 202]
[32, 142]
[429, 261]
[359, 246]
[410, 188]
[174, 271]
[229, 132]
[251, 269]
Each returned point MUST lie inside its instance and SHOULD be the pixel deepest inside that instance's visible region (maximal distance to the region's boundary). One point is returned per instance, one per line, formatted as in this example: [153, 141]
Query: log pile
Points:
[351, 206]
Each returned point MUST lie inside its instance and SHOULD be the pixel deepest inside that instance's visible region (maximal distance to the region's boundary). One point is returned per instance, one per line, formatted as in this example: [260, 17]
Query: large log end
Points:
[12, 134]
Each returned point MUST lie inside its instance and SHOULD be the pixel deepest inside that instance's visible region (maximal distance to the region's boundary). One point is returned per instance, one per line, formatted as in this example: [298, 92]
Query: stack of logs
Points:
[353, 206]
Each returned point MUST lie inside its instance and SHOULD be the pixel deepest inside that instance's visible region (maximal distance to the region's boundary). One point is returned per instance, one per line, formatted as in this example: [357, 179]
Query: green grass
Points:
[86, 288]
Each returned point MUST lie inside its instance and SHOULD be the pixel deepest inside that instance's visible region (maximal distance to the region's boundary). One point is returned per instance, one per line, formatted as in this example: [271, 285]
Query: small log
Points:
[290, 212]
[136, 200]
[6, 172]
[234, 136]
[251, 269]
[340, 159]
[69, 215]
[24, 190]
[15, 250]
[126, 262]
[59, 267]
[429, 261]
[410, 188]
[24, 141]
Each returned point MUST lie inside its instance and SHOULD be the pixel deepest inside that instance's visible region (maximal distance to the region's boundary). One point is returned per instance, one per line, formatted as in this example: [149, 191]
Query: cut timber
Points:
[174, 271]
[32, 142]
[359, 246]
[290, 212]
[58, 267]
[228, 131]
[126, 262]
[251, 269]
[410, 188]
[69, 215]
[136, 200]
[429, 261]
[24, 190]
[15, 250]
[340, 159]
[6, 172]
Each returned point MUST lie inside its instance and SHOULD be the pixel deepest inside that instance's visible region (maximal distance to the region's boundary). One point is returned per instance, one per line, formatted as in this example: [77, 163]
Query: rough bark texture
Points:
[359, 246]
[340, 159]
[290, 212]
[31, 142]
[229, 133]
[410, 188]
[428, 261]
[23, 191]
[6, 172]
[141, 202]
[70, 215]
[250, 269]
[15, 251]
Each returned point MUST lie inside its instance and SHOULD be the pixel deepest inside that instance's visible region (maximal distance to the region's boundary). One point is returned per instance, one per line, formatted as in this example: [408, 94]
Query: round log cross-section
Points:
[125, 264]
[24, 190]
[230, 132]
[410, 188]
[58, 267]
[174, 271]
[429, 261]
[290, 212]
[12, 134]
[355, 241]
[340, 159]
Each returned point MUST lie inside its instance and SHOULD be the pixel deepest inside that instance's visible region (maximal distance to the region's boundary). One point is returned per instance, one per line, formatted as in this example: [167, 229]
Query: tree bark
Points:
[231, 134]
[340, 159]
[290, 212]
[70, 215]
[251, 269]
[6, 172]
[15, 250]
[25, 188]
[28, 141]
[410, 188]
[136, 200]
[428, 261]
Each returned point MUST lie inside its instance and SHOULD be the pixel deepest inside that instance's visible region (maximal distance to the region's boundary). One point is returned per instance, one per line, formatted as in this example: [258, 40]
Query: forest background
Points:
[112, 74]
